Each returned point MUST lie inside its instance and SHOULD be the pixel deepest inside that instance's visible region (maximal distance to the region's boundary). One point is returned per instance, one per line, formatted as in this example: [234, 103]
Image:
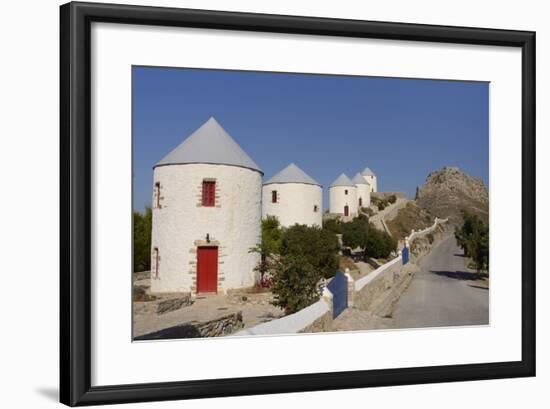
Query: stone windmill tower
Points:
[343, 197]
[363, 190]
[293, 197]
[206, 215]
[370, 177]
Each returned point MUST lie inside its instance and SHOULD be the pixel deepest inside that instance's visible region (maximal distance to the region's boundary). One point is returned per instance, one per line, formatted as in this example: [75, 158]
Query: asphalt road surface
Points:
[444, 292]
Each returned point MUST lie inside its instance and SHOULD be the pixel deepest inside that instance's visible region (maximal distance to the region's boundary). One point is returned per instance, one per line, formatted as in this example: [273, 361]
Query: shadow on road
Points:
[460, 275]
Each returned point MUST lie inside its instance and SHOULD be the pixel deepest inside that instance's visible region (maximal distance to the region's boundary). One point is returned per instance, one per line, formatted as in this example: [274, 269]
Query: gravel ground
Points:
[255, 308]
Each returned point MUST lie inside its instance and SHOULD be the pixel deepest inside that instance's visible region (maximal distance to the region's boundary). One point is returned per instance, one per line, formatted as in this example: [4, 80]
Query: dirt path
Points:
[388, 213]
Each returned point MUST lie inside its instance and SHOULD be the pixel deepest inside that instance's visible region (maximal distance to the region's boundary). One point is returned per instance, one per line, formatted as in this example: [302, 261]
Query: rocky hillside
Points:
[409, 217]
[449, 191]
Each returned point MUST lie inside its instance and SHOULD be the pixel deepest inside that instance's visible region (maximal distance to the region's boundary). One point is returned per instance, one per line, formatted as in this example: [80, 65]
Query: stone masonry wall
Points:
[320, 324]
[221, 326]
[365, 298]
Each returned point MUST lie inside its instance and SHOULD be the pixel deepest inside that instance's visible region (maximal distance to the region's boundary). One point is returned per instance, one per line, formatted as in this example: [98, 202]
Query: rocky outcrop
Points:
[449, 191]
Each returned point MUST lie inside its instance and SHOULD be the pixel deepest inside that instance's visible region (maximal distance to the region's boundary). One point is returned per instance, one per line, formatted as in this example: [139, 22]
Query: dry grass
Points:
[408, 218]
[346, 262]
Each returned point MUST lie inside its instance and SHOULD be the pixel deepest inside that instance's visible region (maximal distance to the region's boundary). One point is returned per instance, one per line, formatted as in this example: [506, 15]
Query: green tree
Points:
[318, 246]
[473, 238]
[379, 243]
[269, 245]
[332, 225]
[360, 233]
[142, 239]
[295, 283]
[355, 232]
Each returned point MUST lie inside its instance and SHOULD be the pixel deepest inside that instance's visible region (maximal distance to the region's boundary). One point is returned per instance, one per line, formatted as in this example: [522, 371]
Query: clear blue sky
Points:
[327, 124]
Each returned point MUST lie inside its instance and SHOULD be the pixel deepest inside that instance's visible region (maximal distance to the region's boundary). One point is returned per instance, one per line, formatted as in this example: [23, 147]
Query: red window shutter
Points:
[208, 193]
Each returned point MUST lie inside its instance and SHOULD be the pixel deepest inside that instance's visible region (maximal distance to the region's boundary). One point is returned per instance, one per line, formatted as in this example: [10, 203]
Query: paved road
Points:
[443, 293]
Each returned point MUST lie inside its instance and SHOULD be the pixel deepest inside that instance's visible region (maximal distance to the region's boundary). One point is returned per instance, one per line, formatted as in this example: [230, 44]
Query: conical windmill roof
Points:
[342, 180]
[367, 172]
[358, 179]
[209, 144]
[292, 174]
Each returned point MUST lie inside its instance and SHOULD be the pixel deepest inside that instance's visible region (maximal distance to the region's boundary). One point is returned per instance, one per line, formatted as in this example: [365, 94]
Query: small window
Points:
[346, 191]
[156, 262]
[360, 202]
[315, 208]
[208, 193]
[157, 195]
[273, 196]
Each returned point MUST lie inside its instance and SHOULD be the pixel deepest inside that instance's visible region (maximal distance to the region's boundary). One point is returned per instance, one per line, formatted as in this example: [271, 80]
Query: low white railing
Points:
[359, 284]
[290, 324]
[416, 234]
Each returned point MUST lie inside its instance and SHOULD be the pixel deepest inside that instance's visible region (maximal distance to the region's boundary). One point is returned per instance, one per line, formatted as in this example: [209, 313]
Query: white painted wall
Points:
[338, 199]
[363, 191]
[371, 180]
[295, 203]
[290, 324]
[234, 222]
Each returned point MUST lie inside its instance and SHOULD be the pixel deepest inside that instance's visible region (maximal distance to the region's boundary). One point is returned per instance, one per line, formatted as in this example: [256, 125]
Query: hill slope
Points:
[411, 216]
[449, 191]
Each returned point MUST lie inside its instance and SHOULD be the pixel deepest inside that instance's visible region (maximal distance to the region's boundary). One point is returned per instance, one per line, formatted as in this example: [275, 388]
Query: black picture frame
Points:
[76, 198]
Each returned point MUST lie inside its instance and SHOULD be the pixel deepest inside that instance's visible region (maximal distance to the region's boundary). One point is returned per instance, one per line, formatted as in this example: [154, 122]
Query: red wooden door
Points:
[207, 269]
[346, 210]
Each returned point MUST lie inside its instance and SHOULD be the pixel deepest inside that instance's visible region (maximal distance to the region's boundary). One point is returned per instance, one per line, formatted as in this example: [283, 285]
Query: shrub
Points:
[271, 235]
[332, 225]
[142, 239]
[392, 199]
[354, 233]
[359, 233]
[318, 246]
[295, 283]
[379, 244]
[473, 238]
[268, 247]
[382, 204]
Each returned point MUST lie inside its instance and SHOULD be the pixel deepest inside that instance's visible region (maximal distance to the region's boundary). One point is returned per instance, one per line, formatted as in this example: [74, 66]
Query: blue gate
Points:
[338, 286]
[405, 255]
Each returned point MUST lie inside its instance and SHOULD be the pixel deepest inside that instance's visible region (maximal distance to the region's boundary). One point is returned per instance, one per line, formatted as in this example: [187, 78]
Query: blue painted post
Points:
[338, 286]
[405, 255]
